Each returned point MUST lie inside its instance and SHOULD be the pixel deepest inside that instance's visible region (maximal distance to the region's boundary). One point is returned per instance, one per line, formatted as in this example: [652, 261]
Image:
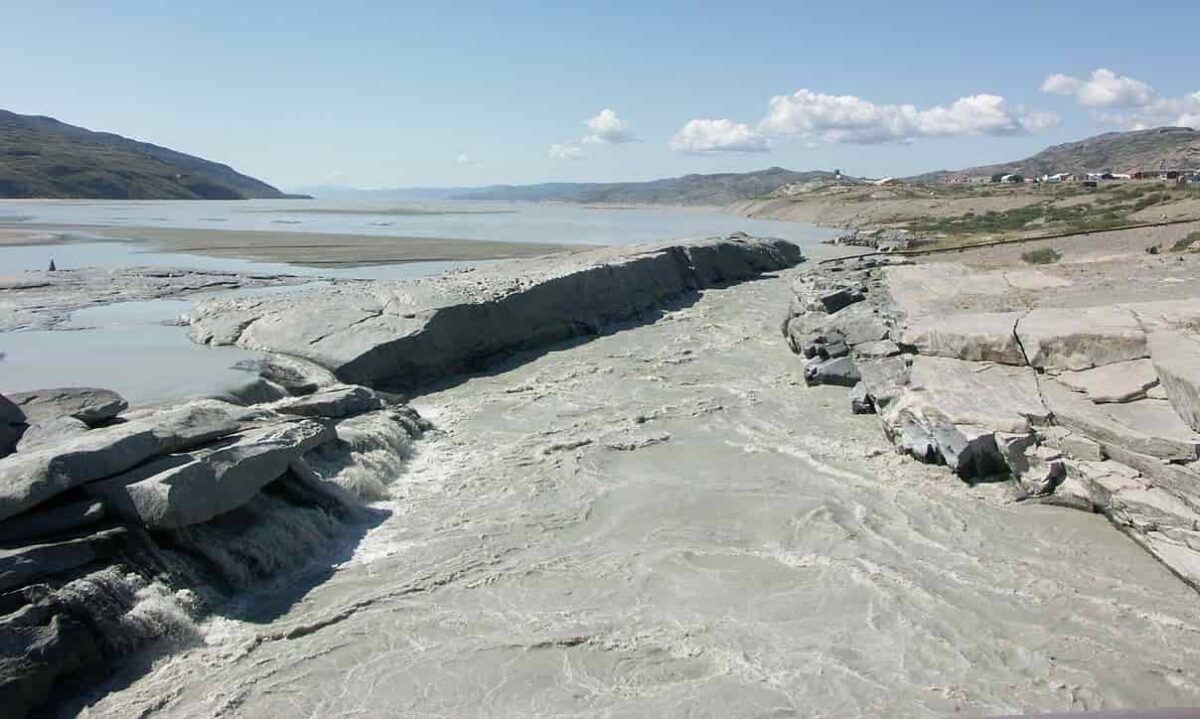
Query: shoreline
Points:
[308, 249]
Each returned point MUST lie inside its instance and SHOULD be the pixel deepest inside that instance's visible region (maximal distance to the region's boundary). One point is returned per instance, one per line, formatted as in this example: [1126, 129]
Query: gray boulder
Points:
[860, 400]
[12, 426]
[839, 371]
[1176, 357]
[335, 403]
[876, 350]
[89, 405]
[1037, 468]
[833, 301]
[184, 489]
[28, 479]
[885, 378]
[51, 431]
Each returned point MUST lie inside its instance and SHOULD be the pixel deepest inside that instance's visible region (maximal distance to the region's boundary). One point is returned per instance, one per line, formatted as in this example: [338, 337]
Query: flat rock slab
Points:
[90, 405]
[1080, 338]
[999, 397]
[1148, 426]
[334, 403]
[26, 564]
[59, 429]
[30, 478]
[1176, 358]
[404, 334]
[49, 521]
[934, 287]
[1116, 382]
[189, 488]
[982, 336]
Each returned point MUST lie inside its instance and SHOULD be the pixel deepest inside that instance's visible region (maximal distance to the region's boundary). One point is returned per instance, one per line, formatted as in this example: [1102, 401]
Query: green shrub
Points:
[1044, 256]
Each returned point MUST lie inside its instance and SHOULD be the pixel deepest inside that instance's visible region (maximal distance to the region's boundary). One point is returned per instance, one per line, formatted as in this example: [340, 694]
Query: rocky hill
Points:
[717, 189]
[1162, 147]
[43, 157]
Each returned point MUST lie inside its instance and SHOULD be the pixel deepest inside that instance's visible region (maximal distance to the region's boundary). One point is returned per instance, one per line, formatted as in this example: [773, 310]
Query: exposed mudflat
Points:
[310, 249]
[664, 522]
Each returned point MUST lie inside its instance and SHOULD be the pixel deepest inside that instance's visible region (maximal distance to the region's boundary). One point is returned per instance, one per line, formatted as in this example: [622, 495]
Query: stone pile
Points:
[1092, 407]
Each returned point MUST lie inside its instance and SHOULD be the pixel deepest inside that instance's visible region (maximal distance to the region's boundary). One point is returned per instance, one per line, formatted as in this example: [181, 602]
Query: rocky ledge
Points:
[120, 527]
[404, 334]
[1095, 407]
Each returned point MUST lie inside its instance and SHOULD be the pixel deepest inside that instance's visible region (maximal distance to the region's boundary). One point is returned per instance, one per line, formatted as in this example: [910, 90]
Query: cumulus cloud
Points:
[607, 128]
[1125, 101]
[566, 151]
[846, 118]
[464, 159]
[708, 136]
[1104, 88]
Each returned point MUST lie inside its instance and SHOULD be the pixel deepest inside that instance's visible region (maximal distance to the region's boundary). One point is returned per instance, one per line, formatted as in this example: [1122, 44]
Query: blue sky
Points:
[430, 94]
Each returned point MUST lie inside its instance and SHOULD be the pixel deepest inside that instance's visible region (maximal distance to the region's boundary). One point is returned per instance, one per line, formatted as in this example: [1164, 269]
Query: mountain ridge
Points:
[43, 157]
[1133, 150]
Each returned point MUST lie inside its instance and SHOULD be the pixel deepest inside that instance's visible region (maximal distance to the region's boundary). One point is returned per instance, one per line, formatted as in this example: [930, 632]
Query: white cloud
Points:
[566, 151]
[705, 136]
[1125, 101]
[1104, 88]
[465, 160]
[606, 127]
[846, 118]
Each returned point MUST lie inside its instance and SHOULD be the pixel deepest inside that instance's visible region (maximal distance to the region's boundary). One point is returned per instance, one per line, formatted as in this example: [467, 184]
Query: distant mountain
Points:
[42, 157]
[1160, 148]
[718, 189]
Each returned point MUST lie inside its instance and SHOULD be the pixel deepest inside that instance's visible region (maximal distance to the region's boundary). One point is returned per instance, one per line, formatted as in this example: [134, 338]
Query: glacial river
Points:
[664, 521]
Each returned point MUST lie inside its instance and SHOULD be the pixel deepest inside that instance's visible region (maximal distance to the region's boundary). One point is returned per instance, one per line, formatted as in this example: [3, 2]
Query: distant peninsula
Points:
[41, 157]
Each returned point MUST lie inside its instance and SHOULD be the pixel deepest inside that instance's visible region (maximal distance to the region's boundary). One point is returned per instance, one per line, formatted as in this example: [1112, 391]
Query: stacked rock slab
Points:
[141, 499]
[1090, 407]
[404, 334]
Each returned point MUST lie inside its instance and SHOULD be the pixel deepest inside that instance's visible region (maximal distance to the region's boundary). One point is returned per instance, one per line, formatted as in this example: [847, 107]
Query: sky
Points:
[399, 94]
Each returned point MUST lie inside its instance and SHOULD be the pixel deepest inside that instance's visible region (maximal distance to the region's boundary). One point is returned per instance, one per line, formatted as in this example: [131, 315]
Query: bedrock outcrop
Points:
[403, 334]
[123, 533]
[1095, 407]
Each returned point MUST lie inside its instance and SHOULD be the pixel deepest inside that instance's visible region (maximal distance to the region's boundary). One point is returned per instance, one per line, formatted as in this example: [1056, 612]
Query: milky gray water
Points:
[665, 521]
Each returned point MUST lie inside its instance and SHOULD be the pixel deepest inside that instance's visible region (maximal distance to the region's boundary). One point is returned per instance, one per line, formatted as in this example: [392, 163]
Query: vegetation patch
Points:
[1186, 243]
[1044, 256]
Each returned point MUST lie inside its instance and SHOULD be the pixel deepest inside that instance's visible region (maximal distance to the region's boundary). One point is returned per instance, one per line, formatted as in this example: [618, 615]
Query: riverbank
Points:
[1070, 367]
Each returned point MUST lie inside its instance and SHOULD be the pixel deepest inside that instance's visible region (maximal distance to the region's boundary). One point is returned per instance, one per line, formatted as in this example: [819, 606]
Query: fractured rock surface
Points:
[404, 334]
